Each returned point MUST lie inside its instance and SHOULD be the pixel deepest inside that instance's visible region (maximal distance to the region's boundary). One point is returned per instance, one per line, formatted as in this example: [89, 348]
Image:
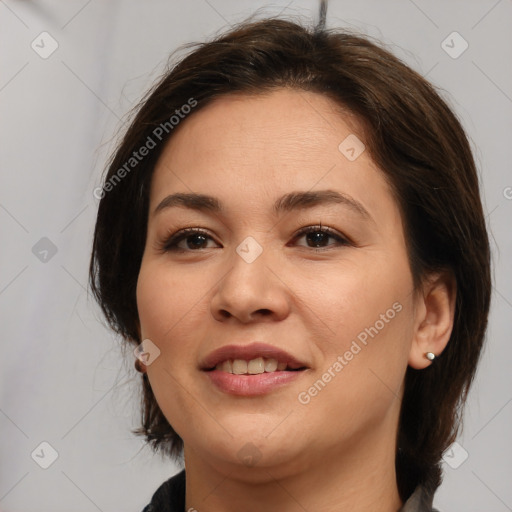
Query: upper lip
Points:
[248, 352]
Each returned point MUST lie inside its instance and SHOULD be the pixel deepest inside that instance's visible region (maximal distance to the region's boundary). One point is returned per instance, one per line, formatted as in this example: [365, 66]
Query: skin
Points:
[336, 452]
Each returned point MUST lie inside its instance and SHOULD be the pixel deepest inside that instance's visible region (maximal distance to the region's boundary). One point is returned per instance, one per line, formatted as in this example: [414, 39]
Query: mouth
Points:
[252, 359]
[251, 370]
[255, 366]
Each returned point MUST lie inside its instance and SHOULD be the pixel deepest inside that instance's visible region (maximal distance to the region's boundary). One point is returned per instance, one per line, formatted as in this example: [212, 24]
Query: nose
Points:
[251, 291]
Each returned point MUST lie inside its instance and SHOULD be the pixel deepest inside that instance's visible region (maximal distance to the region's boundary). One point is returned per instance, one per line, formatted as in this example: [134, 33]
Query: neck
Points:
[360, 477]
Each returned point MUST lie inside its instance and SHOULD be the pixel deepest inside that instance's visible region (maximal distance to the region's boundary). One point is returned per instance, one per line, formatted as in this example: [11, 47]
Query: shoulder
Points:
[170, 496]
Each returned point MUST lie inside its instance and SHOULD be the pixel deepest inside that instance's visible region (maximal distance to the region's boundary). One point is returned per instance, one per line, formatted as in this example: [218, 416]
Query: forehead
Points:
[288, 122]
[249, 150]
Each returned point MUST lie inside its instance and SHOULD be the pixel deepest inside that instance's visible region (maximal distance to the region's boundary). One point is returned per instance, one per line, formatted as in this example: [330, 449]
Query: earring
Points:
[430, 356]
[140, 366]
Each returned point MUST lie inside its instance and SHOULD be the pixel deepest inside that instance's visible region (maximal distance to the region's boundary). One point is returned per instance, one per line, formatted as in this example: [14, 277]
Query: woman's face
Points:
[339, 302]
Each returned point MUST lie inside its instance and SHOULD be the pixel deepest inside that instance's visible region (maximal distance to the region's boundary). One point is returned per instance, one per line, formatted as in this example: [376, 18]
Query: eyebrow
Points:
[287, 203]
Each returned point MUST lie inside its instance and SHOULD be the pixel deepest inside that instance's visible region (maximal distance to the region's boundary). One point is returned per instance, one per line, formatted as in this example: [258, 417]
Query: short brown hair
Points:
[413, 137]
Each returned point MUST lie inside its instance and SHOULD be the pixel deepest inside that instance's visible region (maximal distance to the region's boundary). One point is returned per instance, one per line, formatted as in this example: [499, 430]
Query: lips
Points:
[249, 352]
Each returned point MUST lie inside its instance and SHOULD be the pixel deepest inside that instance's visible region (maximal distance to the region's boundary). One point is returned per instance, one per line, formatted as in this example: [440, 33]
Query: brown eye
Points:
[193, 239]
[317, 237]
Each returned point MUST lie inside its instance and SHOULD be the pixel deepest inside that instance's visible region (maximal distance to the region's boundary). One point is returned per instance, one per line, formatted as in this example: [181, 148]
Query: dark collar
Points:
[170, 497]
[419, 501]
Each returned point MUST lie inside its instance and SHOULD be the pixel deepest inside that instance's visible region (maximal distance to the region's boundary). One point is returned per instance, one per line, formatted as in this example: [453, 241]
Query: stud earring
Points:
[430, 356]
[140, 366]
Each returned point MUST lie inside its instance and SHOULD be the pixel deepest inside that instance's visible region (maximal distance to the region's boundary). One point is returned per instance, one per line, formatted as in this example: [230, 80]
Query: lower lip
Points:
[251, 385]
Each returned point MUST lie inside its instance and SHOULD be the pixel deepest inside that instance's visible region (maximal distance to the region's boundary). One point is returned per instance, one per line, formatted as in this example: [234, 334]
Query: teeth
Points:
[239, 366]
[271, 365]
[227, 366]
[256, 366]
[252, 367]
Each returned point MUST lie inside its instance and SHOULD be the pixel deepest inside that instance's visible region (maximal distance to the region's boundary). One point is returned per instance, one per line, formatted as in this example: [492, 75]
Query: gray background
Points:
[63, 378]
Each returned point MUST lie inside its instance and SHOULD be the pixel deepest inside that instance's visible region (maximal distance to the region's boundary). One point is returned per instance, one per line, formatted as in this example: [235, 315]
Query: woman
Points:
[291, 237]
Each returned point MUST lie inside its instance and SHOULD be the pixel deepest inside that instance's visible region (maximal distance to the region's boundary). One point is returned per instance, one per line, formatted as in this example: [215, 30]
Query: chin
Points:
[253, 449]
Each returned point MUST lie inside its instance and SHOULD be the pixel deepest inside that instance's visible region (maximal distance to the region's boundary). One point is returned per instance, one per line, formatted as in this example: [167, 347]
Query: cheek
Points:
[151, 302]
[363, 368]
[346, 299]
[162, 299]
[365, 313]
[166, 309]
[171, 309]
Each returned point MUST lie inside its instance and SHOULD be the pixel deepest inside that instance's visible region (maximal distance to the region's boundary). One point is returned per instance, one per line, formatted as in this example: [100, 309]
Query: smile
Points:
[251, 370]
[253, 367]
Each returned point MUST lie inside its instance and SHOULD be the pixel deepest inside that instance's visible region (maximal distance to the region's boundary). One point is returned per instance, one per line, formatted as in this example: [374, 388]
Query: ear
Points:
[433, 318]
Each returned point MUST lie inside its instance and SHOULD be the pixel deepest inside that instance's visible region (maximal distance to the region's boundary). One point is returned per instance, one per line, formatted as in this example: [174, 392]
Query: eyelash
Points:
[170, 243]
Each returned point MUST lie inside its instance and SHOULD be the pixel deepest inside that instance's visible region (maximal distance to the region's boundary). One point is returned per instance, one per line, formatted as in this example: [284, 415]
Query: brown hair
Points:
[413, 137]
